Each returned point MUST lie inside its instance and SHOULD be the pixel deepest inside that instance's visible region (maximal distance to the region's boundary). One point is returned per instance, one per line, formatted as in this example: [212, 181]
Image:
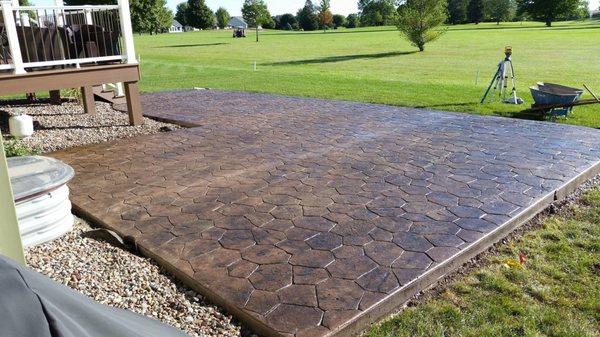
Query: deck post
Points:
[127, 32]
[10, 236]
[134, 107]
[87, 98]
[55, 97]
[13, 39]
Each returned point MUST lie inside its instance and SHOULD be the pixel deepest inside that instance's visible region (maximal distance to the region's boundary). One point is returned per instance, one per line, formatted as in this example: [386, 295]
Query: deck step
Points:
[107, 96]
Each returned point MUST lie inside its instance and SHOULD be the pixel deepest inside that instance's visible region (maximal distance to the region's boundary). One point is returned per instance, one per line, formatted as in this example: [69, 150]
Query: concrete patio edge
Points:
[395, 301]
[392, 303]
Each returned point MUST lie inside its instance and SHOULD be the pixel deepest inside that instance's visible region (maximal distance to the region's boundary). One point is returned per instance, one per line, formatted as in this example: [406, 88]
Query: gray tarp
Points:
[31, 305]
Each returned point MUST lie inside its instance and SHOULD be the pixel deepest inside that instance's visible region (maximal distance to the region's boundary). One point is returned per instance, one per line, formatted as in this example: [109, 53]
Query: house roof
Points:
[176, 24]
[237, 21]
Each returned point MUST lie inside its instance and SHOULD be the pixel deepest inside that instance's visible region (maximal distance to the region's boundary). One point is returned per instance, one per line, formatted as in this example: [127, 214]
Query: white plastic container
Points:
[20, 126]
[41, 197]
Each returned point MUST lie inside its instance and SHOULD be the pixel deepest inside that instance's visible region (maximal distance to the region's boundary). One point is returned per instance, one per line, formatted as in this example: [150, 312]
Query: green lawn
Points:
[556, 293]
[376, 65]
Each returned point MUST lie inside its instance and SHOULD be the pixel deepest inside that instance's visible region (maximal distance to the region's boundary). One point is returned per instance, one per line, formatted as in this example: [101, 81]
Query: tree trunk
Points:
[256, 33]
[548, 22]
[421, 47]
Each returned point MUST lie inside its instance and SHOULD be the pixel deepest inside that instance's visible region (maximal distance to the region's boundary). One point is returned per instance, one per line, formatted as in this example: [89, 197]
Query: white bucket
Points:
[41, 197]
[20, 126]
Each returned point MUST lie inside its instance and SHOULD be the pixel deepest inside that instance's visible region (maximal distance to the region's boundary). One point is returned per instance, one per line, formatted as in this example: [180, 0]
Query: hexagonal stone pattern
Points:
[303, 213]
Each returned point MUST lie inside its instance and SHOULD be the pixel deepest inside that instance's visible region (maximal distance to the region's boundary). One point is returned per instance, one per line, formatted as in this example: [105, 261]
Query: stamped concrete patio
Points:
[310, 217]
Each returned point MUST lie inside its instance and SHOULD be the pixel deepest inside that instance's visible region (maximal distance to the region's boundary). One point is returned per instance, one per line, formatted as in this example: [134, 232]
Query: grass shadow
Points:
[341, 58]
[536, 27]
[194, 45]
[445, 105]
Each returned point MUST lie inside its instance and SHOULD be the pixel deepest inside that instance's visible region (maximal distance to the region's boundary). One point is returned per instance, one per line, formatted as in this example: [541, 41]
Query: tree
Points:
[377, 12]
[198, 15]
[150, 16]
[548, 10]
[457, 11]
[476, 11]
[339, 21]
[147, 16]
[269, 24]
[256, 13]
[325, 16]
[223, 17]
[419, 21]
[180, 13]
[307, 18]
[500, 10]
[287, 22]
[352, 21]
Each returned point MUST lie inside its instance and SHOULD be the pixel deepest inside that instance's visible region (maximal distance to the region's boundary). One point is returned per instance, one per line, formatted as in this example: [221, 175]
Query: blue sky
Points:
[279, 6]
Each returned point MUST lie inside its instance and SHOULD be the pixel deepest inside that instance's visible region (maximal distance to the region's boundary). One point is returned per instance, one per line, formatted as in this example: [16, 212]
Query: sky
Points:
[279, 6]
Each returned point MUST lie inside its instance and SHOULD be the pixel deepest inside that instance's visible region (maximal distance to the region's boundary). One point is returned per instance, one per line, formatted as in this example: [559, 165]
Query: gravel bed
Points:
[124, 280]
[63, 126]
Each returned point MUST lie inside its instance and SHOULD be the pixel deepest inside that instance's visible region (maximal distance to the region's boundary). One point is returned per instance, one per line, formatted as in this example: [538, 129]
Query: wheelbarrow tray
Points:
[553, 94]
[558, 89]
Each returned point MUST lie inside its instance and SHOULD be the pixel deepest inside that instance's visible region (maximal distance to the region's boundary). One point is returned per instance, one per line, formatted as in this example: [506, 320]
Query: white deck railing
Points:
[61, 36]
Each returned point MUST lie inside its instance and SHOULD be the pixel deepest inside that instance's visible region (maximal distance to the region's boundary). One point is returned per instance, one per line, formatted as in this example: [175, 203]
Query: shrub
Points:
[15, 148]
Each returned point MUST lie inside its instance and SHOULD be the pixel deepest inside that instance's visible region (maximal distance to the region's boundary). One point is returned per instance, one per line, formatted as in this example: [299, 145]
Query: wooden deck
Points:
[85, 78]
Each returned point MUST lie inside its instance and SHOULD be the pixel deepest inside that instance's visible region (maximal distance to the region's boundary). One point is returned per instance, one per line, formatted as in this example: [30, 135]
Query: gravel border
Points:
[121, 279]
[64, 126]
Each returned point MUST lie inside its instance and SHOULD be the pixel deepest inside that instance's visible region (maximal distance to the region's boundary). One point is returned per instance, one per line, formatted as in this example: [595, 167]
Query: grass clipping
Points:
[545, 283]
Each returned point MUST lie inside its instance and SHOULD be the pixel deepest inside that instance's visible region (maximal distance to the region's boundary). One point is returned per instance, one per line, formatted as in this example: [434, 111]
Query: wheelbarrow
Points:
[558, 99]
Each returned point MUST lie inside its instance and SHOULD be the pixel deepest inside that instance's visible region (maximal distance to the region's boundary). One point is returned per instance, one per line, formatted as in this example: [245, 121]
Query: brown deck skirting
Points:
[84, 78]
[46, 80]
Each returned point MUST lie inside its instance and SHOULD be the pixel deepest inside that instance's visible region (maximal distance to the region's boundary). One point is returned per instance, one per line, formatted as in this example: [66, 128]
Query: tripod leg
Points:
[514, 81]
[494, 79]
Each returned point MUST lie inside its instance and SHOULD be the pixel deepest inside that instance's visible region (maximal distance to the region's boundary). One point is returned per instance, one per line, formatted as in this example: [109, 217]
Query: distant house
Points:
[176, 27]
[190, 29]
[237, 22]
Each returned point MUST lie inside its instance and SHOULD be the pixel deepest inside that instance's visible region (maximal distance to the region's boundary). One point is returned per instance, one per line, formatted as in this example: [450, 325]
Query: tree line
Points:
[548, 11]
[153, 16]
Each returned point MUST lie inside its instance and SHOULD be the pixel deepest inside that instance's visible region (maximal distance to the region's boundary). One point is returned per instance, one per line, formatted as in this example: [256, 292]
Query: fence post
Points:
[127, 32]
[10, 237]
[13, 39]
[59, 19]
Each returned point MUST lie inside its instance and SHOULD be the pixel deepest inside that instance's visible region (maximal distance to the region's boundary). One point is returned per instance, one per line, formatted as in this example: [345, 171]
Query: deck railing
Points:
[40, 37]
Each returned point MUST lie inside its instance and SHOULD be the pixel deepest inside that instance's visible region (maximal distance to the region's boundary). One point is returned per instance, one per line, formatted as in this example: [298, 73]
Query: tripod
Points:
[501, 79]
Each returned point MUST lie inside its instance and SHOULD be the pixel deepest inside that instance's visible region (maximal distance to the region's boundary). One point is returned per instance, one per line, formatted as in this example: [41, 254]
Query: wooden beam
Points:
[87, 99]
[46, 80]
[134, 107]
[55, 97]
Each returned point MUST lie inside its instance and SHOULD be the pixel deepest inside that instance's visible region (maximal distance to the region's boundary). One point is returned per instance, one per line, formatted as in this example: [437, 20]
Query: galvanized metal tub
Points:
[41, 197]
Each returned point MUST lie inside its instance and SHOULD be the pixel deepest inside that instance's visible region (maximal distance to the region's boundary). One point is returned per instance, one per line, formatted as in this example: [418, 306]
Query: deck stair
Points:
[108, 94]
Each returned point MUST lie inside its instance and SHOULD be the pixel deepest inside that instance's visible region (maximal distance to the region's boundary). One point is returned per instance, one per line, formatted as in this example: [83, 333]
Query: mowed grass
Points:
[376, 65]
[556, 293]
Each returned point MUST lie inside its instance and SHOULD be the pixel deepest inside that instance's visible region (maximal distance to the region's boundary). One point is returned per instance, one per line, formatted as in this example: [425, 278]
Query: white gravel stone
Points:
[120, 279]
[63, 126]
